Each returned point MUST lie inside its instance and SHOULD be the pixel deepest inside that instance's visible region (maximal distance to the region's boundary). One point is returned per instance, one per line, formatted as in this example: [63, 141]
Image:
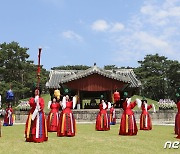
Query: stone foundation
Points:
[89, 115]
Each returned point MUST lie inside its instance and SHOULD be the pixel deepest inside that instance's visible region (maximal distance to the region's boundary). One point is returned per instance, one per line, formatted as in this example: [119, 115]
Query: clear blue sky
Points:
[71, 32]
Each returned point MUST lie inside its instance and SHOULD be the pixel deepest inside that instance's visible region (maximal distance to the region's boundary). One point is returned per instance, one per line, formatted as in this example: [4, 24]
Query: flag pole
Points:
[39, 68]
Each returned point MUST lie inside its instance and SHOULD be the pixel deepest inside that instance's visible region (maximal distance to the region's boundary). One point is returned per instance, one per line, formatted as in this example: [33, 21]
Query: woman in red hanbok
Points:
[8, 118]
[112, 117]
[102, 119]
[177, 120]
[128, 123]
[67, 123]
[36, 126]
[53, 117]
[145, 119]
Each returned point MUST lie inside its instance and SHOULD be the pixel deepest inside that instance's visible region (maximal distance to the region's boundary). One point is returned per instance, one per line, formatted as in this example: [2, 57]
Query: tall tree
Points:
[173, 78]
[110, 67]
[113, 67]
[71, 67]
[158, 76]
[16, 70]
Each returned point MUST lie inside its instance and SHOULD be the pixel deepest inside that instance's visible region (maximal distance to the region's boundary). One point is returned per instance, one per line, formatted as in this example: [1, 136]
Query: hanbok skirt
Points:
[36, 130]
[145, 122]
[66, 125]
[128, 125]
[112, 119]
[102, 122]
[52, 121]
[177, 125]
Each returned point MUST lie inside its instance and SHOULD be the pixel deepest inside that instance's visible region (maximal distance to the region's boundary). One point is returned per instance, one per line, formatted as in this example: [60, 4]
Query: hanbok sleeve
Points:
[139, 103]
[109, 105]
[31, 102]
[149, 107]
[74, 101]
[49, 104]
[154, 109]
[133, 104]
[63, 104]
[41, 103]
[104, 105]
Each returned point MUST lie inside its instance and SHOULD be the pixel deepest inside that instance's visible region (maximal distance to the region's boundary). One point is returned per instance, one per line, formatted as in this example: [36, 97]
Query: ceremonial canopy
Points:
[92, 83]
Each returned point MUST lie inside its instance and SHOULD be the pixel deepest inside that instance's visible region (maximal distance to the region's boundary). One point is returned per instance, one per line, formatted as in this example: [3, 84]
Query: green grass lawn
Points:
[89, 141]
[46, 98]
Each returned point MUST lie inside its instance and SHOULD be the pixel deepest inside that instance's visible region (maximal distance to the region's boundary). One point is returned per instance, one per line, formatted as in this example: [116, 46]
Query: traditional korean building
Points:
[91, 84]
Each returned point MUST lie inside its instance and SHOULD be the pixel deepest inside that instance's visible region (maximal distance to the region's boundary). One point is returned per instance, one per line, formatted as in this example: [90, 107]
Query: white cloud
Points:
[135, 45]
[174, 11]
[127, 57]
[152, 41]
[154, 29]
[72, 35]
[100, 25]
[161, 14]
[148, 9]
[117, 27]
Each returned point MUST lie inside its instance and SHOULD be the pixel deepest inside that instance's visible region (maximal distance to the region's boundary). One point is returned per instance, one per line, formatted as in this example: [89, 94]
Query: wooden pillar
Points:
[112, 96]
[78, 100]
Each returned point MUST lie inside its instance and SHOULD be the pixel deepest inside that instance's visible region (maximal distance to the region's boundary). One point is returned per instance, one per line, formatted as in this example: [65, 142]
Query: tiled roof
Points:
[63, 76]
[134, 82]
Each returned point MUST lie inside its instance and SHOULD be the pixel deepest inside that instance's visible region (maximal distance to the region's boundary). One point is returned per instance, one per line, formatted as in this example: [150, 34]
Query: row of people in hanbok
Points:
[128, 123]
[37, 127]
[64, 124]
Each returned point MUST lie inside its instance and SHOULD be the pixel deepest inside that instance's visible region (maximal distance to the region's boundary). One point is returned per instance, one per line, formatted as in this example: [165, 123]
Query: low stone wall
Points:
[21, 116]
[160, 117]
[89, 115]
